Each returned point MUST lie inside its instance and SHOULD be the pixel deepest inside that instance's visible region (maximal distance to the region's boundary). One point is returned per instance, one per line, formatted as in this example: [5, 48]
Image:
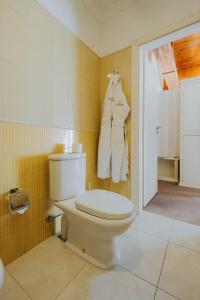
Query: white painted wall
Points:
[76, 17]
[138, 20]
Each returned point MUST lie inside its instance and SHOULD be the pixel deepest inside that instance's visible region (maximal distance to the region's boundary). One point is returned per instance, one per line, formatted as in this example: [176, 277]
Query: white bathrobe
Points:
[113, 150]
[104, 151]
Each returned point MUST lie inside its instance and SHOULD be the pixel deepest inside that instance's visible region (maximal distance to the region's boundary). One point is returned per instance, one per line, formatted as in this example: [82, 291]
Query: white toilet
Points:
[93, 218]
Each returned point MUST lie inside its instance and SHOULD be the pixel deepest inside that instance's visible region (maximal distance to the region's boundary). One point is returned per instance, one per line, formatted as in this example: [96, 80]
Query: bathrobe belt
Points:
[113, 122]
[118, 123]
[105, 122]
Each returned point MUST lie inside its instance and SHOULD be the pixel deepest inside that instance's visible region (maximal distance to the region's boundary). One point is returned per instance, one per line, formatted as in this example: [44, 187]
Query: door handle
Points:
[158, 129]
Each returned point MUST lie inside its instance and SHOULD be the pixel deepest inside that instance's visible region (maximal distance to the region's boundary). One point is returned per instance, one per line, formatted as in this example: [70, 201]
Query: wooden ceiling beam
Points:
[187, 56]
[167, 66]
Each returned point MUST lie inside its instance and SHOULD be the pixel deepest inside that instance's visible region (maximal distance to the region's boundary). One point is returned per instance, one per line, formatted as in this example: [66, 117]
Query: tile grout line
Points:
[177, 244]
[21, 286]
[136, 275]
[81, 269]
[154, 298]
[184, 247]
[161, 269]
[168, 242]
[168, 294]
[152, 284]
[174, 221]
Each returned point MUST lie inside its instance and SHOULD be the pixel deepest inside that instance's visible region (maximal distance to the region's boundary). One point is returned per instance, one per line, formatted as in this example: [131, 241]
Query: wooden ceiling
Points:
[187, 56]
[179, 60]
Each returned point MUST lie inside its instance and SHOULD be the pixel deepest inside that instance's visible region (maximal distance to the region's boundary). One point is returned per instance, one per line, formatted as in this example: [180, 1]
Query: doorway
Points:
[148, 171]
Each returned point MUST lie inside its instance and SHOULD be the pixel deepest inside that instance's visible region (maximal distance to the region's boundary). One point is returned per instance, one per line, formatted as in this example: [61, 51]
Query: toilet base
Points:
[107, 266]
[93, 238]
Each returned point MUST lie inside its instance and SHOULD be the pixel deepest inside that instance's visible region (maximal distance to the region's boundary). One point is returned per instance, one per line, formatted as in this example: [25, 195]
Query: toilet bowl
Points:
[92, 229]
[93, 218]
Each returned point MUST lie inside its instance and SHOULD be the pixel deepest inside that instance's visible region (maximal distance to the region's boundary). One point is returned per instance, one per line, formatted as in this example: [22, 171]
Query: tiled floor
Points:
[160, 259]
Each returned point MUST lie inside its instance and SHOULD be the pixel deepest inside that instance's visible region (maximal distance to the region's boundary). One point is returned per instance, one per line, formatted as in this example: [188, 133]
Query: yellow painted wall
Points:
[42, 65]
[120, 61]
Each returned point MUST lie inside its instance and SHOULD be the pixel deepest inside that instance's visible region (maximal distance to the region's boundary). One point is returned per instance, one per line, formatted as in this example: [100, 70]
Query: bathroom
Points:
[56, 58]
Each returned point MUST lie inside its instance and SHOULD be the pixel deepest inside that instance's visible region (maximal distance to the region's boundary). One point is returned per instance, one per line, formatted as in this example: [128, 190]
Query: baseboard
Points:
[189, 184]
[166, 178]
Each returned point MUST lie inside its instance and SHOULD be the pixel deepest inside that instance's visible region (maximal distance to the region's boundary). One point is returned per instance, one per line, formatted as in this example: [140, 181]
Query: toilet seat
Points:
[105, 204]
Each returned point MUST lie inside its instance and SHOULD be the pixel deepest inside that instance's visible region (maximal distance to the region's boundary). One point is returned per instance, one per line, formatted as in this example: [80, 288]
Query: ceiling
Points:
[103, 10]
[106, 26]
[187, 56]
[179, 60]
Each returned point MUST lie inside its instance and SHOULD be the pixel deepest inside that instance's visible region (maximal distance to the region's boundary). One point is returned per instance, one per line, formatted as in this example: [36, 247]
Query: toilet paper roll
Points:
[21, 211]
[18, 201]
[77, 148]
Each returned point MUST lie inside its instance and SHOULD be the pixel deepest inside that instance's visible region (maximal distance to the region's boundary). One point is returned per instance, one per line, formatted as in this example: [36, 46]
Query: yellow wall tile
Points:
[26, 166]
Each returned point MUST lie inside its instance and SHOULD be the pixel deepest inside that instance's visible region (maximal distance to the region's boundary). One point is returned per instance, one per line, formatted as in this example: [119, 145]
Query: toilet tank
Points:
[67, 175]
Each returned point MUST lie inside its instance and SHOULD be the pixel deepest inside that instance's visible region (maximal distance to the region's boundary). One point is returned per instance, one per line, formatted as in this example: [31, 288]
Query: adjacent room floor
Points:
[160, 260]
[176, 202]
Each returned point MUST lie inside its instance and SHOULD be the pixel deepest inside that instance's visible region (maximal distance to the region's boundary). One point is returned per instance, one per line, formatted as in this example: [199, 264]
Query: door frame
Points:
[156, 39]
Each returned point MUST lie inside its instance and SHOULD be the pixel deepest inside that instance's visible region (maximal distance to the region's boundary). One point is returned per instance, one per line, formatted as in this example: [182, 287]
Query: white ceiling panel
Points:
[103, 10]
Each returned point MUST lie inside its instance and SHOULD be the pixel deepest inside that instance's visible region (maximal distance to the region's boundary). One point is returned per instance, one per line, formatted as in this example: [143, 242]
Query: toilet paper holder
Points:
[18, 201]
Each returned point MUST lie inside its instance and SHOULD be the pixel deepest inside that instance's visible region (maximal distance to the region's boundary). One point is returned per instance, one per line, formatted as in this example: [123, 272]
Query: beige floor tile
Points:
[11, 290]
[154, 224]
[186, 235]
[96, 284]
[46, 269]
[181, 273]
[142, 254]
[160, 295]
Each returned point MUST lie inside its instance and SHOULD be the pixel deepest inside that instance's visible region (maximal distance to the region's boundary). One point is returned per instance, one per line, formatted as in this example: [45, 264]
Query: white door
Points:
[151, 94]
[190, 133]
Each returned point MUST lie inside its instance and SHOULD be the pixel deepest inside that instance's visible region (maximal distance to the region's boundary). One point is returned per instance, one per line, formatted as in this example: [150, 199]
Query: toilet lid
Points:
[104, 204]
